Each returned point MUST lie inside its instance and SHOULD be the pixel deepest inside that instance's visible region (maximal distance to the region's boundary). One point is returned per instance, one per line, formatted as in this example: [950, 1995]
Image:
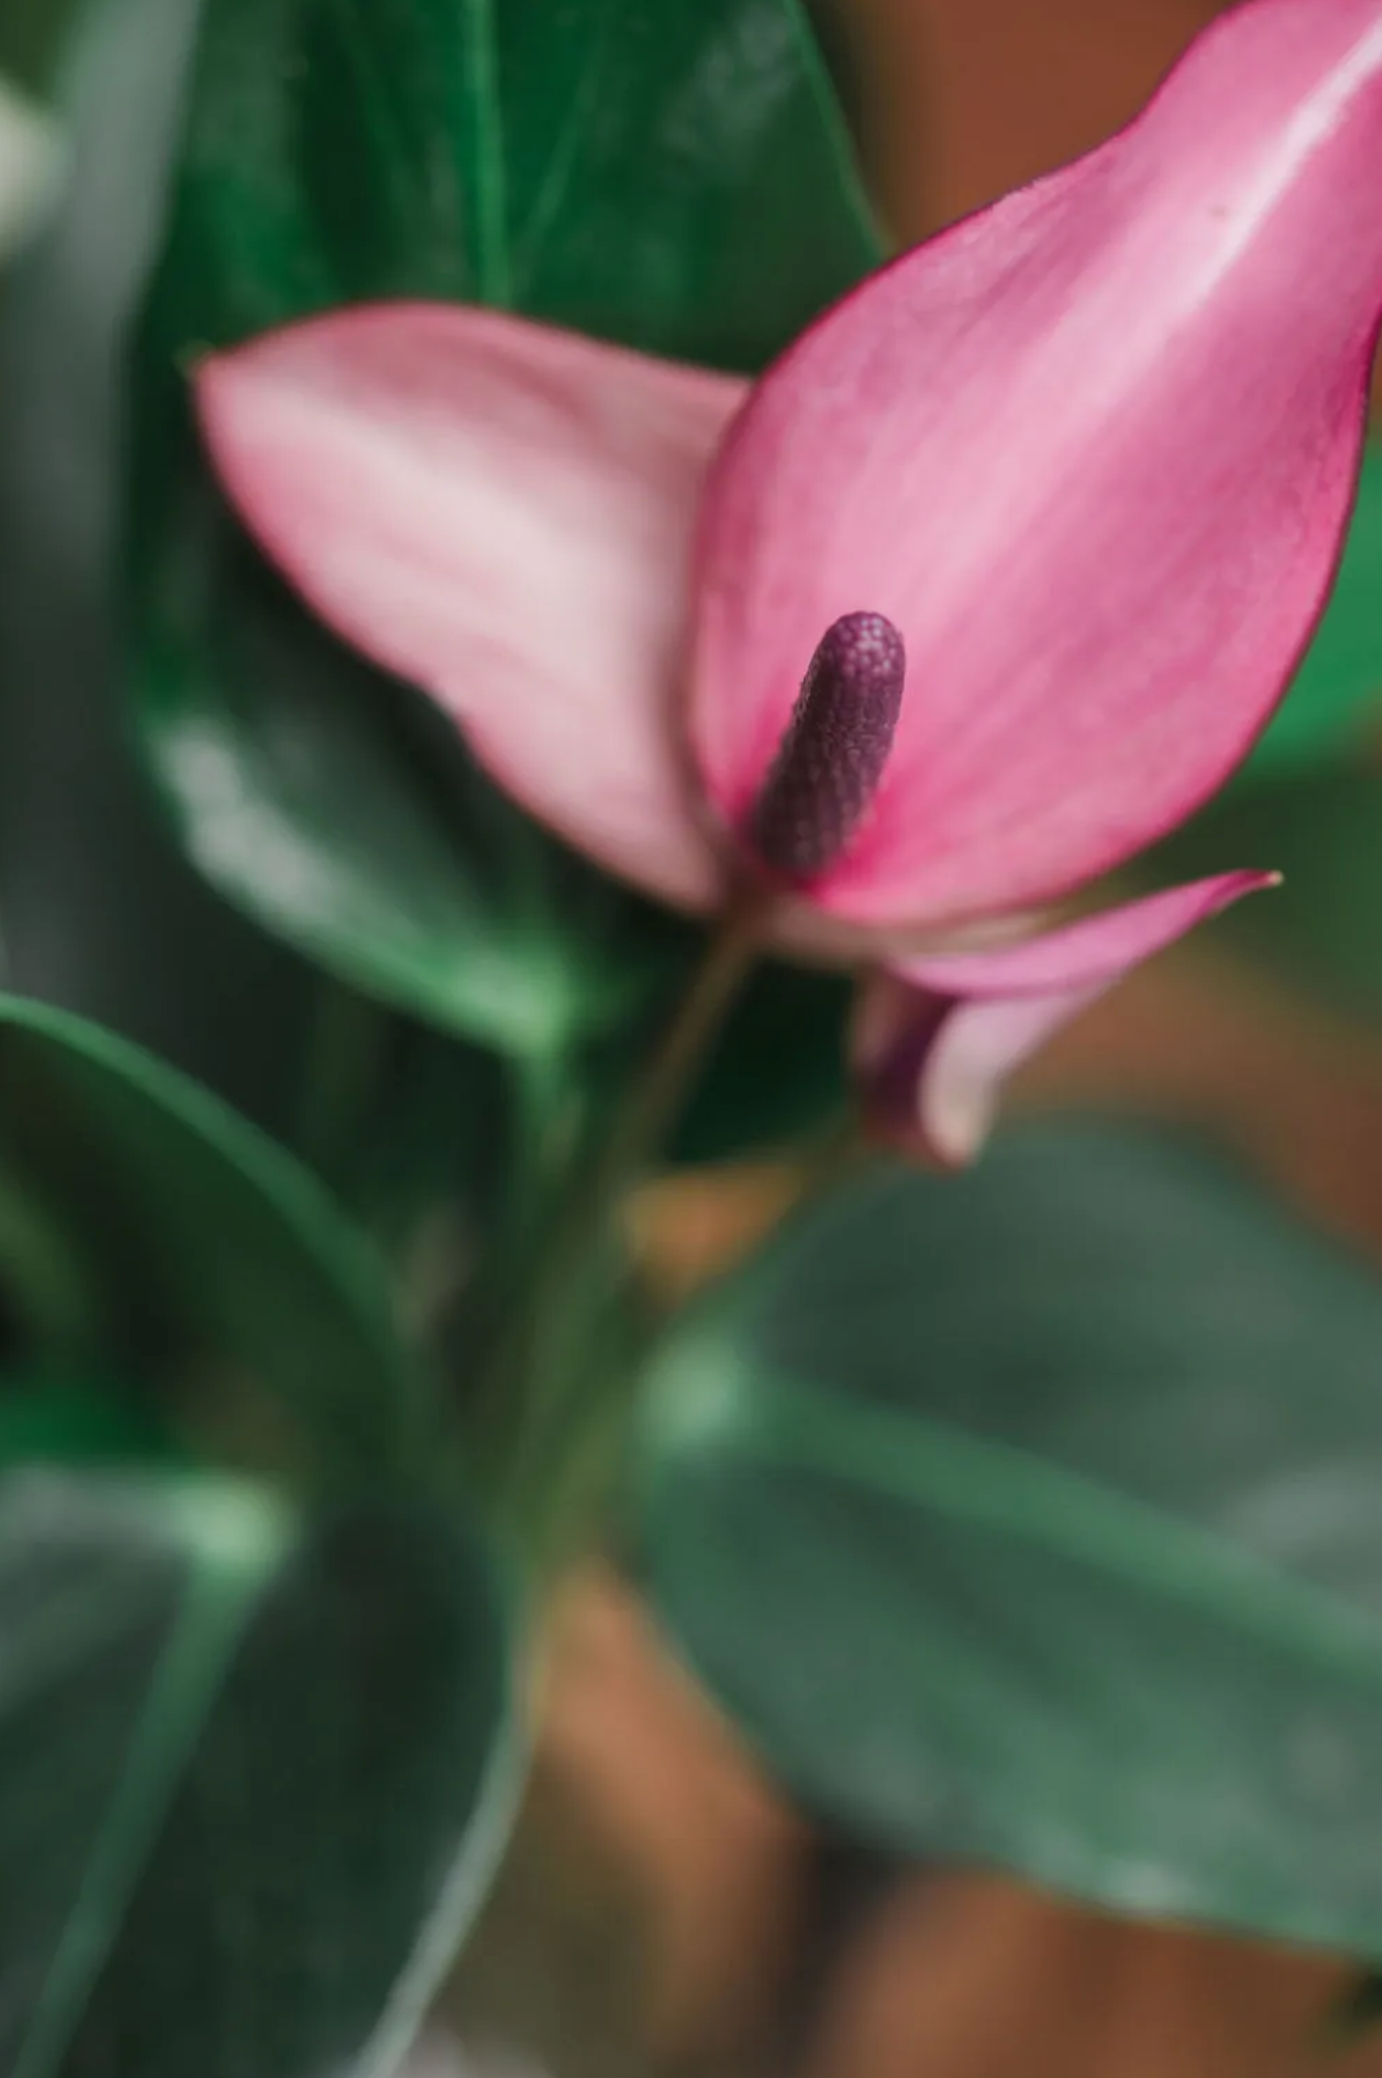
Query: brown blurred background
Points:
[664, 1909]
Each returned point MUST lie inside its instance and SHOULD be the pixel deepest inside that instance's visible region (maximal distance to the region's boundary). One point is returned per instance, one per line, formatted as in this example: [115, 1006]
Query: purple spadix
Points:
[832, 754]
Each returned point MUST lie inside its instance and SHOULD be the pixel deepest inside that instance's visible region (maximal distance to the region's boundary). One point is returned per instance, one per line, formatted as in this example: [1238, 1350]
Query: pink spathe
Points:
[1092, 451]
[501, 513]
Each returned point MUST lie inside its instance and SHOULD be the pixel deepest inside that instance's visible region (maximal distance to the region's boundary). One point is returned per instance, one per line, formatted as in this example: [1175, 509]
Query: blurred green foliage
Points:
[245, 1757]
[1032, 1518]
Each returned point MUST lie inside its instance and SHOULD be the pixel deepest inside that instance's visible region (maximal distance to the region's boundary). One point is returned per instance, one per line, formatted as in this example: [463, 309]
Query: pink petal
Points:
[499, 512]
[1093, 451]
[935, 1039]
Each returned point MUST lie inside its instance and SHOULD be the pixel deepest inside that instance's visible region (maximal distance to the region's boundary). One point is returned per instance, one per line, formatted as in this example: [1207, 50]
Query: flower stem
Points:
[550, 1373]
[660, 1092]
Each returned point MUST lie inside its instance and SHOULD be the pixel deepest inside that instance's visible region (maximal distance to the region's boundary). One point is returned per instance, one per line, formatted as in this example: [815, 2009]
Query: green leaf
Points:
[1323, 831]
[1336, 696]
[97, 909]
[31, 162]
[596, 165]
[779, 1070]
[31, 33]
[52, 1415]
[138, 1216]
[254, 1771]
[600, 165]
[1034, 1517]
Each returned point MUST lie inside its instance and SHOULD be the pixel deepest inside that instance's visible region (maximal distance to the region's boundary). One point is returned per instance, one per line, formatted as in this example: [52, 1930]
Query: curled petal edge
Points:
[935, 1039]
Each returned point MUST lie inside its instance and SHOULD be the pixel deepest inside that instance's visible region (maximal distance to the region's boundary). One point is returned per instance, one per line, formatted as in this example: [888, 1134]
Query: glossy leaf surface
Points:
[255, 1771]
[1031, 1518]
[97, 910]
[139, 1218]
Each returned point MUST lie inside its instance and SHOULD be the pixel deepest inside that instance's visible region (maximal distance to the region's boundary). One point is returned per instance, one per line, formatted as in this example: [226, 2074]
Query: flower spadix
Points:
[991, 579]
[834, 751]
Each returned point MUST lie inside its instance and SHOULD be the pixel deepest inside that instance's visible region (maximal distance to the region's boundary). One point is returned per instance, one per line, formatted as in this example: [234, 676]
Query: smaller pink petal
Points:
[935, 1039]
[499, 512]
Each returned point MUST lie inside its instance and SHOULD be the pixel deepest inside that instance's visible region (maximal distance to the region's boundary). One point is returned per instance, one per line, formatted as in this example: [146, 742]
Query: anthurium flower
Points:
[992, 578]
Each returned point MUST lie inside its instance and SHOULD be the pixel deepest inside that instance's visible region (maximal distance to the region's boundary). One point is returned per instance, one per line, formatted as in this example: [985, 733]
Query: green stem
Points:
[661, 1091]
[545, 1373]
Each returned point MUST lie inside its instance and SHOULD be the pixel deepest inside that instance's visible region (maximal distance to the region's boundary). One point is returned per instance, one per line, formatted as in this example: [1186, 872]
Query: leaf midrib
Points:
[216, 1605]
[932, 1465]
[489, 179]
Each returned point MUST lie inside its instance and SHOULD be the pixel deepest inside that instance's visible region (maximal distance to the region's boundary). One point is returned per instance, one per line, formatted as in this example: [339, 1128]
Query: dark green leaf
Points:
[674, 178]
[1323, 831]
[97, 910]
[52, 1415]
[779, 1071]
[253, 1775]
[1035, 1517]
[142, 1220]
[342, 814]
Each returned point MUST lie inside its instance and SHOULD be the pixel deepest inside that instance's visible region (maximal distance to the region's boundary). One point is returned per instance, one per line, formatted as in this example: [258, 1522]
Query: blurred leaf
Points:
[30, 165]
[674, 178]
[432, 1129]
[302, 794]
[1323, 830]
[97, 910]
[31, 33]
[1034, 1517]
[779, 1070]
[143, 1221]
[1336, 696]
[50, 1415]
[254, 1772]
